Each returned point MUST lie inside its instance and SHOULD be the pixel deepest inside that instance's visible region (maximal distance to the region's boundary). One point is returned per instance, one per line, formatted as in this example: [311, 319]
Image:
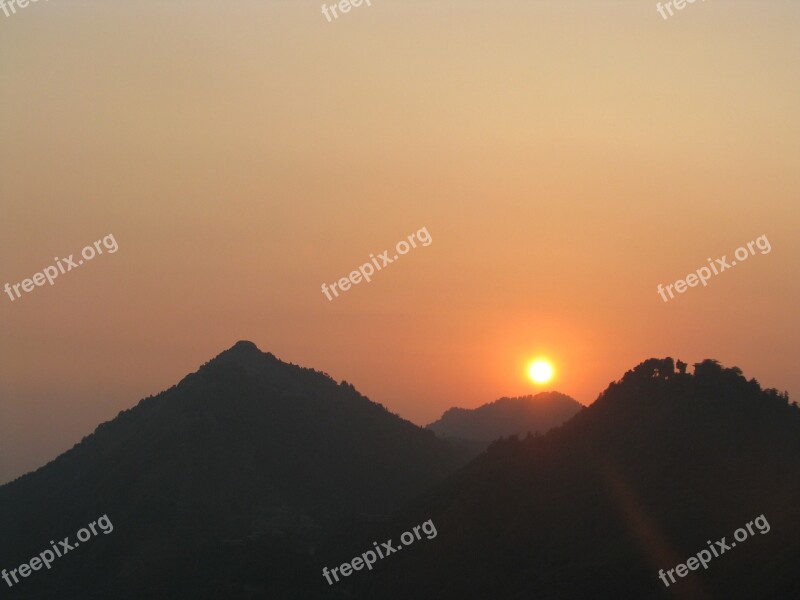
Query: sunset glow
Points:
[538, 145]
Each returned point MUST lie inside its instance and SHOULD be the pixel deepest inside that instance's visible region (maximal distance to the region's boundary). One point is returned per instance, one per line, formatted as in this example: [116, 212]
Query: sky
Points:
[566, 158]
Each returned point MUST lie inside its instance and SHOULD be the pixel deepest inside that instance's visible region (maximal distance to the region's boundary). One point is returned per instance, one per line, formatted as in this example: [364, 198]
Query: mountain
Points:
[506, 416]
[660, 468]
[247, 451]
[251, 475]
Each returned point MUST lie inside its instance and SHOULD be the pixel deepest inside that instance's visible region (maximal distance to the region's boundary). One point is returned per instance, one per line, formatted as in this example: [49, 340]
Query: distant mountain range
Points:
[506, 417]
[248, 477]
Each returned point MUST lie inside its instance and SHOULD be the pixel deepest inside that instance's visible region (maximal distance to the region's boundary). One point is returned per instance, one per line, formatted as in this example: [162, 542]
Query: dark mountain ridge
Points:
[247, 447]
[661, 463]
[251, 474]
[507, 416]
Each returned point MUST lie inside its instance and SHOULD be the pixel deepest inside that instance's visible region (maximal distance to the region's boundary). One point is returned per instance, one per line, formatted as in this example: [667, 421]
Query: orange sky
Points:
[566, 158]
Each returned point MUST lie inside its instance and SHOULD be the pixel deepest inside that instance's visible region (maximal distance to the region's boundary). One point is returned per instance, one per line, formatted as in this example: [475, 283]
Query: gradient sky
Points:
[565, 156]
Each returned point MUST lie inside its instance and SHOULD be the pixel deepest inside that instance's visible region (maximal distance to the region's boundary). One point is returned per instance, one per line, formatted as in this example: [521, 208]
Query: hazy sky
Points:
[565, 156]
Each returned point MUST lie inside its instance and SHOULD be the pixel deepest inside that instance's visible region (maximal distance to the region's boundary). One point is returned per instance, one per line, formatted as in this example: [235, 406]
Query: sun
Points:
[540, 371]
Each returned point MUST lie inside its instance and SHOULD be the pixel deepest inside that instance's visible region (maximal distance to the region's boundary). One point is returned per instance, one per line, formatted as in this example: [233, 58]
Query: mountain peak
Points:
[243, 354]
[507, 416]
[243, 350]
[244, 346]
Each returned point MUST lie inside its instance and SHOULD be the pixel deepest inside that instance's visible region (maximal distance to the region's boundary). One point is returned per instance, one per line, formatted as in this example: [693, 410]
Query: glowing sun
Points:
[540, 371]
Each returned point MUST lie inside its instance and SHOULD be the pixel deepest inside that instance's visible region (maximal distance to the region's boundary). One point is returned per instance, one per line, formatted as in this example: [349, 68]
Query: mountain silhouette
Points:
[506, 417]
[248, 477]
[247, 450]
[661, 465]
